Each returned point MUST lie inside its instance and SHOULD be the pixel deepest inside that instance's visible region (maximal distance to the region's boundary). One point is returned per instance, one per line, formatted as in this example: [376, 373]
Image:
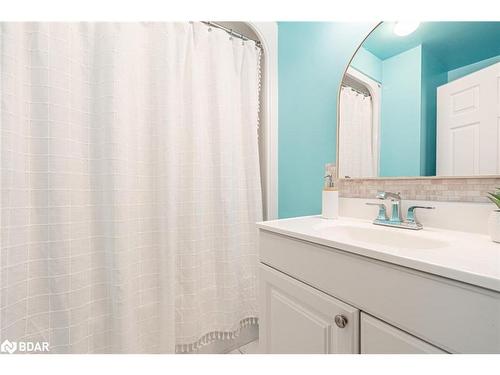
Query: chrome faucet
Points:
[396, 219]
[395, 198]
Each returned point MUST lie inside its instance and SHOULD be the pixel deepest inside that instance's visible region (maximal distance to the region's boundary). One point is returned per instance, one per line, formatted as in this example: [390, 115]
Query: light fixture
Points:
[405, 28]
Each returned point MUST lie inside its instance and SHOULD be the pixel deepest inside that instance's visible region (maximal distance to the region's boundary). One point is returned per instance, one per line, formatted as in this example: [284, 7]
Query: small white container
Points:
[494, 226]
[330, 209]
[330, 200]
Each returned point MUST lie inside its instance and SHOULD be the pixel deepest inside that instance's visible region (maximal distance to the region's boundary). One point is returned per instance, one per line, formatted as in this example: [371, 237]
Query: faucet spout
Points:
[388, 195]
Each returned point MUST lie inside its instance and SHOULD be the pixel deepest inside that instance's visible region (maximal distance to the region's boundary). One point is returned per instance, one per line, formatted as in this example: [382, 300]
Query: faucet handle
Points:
[382, 210]
[411, 216]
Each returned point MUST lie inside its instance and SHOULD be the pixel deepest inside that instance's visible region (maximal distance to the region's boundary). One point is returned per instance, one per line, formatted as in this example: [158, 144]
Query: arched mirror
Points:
[422, 99]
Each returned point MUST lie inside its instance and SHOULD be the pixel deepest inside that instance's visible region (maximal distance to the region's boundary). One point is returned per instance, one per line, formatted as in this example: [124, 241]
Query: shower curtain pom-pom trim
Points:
[215, 335]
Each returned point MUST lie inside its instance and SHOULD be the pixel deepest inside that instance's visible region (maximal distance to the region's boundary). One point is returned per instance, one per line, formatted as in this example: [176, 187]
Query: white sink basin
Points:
[468, 257]
[381, 236]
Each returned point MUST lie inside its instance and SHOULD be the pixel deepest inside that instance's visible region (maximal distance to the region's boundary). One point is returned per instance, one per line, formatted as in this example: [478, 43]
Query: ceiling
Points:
[455, 44]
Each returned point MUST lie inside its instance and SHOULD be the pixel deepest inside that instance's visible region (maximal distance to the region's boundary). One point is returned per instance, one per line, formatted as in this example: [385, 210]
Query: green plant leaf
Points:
[494, 200]
[496, 196]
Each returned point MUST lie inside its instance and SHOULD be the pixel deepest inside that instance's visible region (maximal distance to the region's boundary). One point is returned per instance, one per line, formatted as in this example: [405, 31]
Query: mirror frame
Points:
[337, 176]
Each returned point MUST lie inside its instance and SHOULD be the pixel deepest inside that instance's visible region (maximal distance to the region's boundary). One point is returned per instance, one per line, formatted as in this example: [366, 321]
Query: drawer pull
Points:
[340, 321]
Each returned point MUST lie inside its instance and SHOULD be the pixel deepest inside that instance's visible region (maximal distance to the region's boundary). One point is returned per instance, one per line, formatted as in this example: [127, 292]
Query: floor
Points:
[250, 348]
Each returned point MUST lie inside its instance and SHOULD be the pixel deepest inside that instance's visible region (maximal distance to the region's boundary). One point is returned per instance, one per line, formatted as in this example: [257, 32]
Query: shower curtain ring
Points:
[231, 34]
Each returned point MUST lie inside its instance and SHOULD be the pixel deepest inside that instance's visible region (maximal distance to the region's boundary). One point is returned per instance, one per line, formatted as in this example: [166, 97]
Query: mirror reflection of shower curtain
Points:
[356, 154]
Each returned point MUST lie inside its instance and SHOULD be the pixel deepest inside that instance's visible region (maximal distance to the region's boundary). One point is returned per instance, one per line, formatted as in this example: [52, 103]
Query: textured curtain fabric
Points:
[357, 157]
[129, 185]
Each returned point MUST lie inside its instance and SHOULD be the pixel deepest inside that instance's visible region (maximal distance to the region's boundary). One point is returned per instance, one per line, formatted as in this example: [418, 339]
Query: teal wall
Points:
[455, 44]
[471, 68]
[400, 129]
[312, 57]
[368, 63]
[433, 75]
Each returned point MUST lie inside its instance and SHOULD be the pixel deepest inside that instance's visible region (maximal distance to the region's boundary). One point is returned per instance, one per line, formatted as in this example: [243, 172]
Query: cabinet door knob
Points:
[340, 321]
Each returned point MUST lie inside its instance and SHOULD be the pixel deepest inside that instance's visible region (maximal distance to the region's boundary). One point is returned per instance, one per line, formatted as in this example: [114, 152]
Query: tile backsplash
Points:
[433, 189]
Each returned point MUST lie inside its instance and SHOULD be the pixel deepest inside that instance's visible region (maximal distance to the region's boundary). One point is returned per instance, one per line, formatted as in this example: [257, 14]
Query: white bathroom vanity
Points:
[348, 286]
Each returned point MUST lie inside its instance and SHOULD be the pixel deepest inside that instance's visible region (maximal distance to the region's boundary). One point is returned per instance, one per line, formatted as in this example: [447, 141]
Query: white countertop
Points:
[467, 257]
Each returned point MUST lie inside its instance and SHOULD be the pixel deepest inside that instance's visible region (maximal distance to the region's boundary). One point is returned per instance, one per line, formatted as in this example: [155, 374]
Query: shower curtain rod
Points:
[232, 32]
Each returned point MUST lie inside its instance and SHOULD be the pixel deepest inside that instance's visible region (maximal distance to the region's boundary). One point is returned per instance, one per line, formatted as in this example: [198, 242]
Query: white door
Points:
[468, 123]
[298, 319]
[378, 337]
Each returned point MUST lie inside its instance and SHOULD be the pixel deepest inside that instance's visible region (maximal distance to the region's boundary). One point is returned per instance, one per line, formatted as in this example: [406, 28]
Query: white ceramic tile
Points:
[455, 189]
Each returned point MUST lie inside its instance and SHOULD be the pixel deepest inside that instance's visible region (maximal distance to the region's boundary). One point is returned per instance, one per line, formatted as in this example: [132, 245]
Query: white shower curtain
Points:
[129, 185]
[356, 152]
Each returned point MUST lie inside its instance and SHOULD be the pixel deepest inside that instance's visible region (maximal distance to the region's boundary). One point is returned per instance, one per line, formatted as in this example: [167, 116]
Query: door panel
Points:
[298, 319]
[465, 101]
[465, 150]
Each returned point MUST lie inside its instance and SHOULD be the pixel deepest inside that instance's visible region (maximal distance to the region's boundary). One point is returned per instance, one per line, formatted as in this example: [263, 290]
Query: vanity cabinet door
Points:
[298, 319]
[378, 337]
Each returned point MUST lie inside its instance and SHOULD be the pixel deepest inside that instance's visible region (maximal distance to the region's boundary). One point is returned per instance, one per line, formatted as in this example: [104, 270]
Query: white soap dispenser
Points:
[330, 206]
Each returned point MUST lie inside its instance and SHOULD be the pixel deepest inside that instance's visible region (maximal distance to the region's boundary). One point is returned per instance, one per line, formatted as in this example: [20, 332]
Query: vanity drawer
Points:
[378, 337]
[454, 316]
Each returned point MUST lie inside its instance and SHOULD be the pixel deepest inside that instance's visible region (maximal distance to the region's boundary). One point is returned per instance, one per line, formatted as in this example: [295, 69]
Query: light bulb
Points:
[405, 28]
